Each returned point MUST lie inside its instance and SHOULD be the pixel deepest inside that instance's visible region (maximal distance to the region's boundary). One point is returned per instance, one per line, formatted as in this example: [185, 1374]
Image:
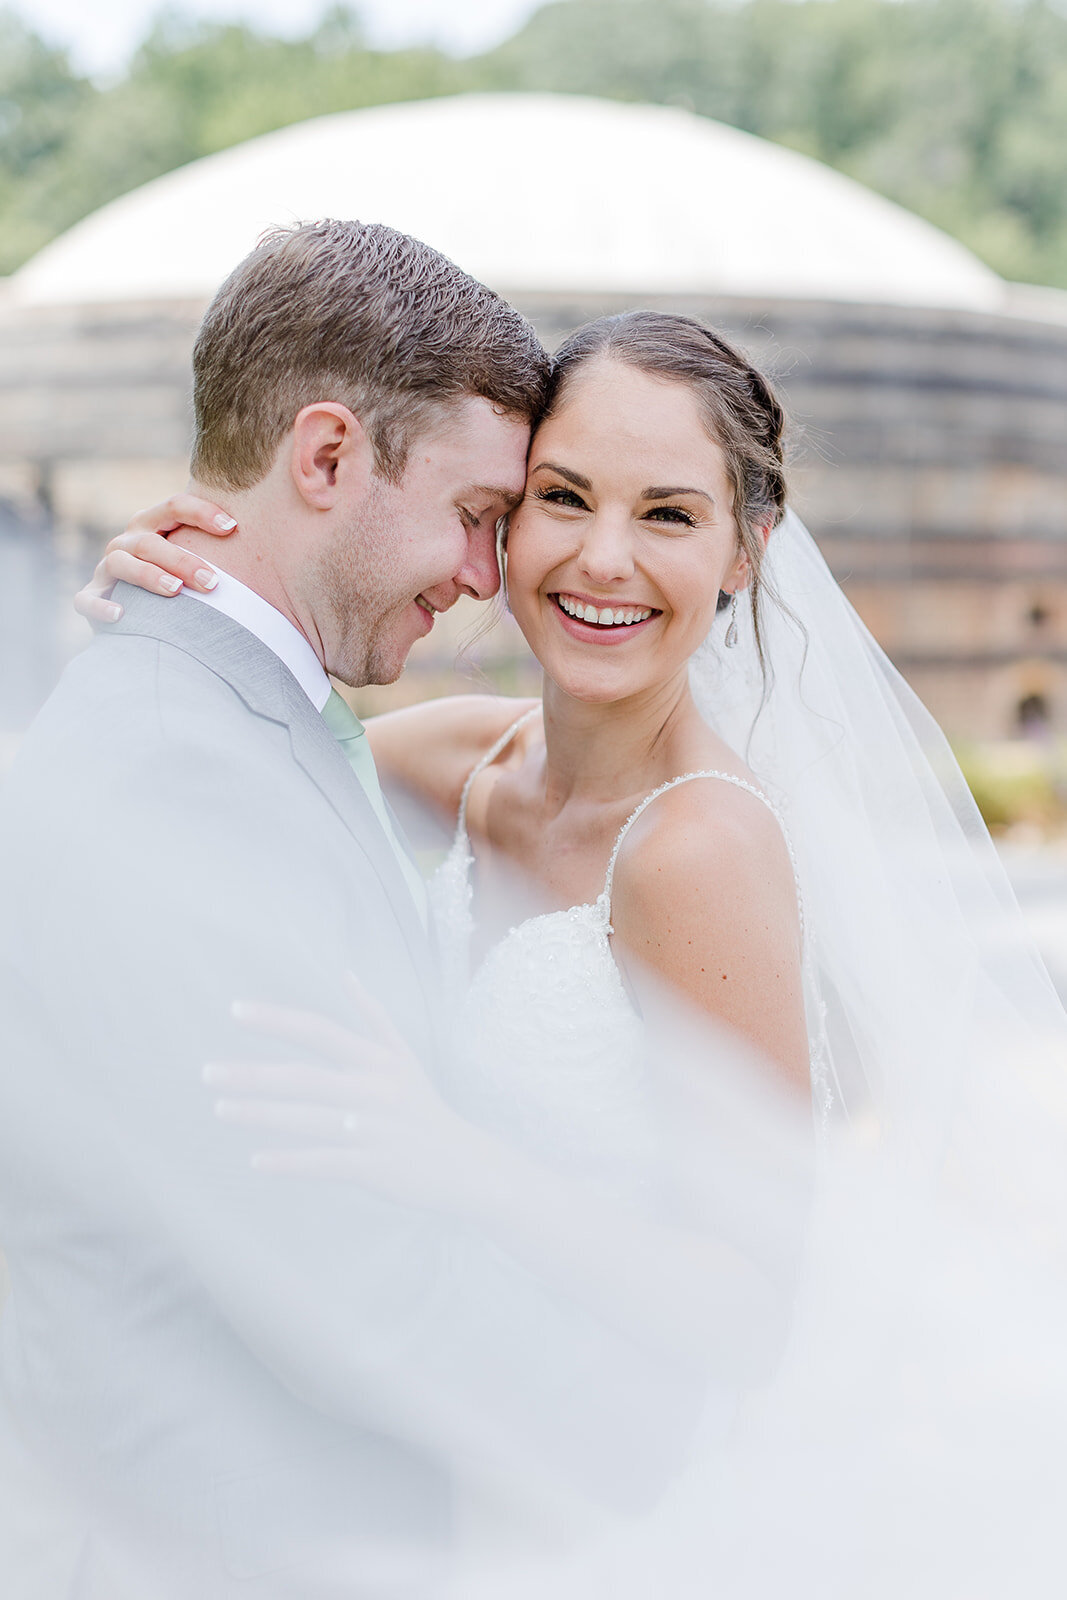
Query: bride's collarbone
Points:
[558, 856]
[553, 862]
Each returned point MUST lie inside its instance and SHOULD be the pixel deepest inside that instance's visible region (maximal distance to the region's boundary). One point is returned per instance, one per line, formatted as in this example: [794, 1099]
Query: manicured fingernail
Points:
[224, 522]
[114, 612]
[171, 585]
[205, 578]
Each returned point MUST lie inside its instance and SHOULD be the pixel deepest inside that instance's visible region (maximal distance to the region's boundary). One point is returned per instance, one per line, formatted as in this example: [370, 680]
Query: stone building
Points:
[929, 397]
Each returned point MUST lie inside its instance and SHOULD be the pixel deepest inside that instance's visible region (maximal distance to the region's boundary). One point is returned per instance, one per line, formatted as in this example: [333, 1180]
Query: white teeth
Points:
[606, 618]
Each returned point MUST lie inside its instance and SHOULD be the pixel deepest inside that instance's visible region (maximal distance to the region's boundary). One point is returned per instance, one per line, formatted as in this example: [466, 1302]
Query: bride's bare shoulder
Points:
[430, 748]
[704, 832]
[705, 896]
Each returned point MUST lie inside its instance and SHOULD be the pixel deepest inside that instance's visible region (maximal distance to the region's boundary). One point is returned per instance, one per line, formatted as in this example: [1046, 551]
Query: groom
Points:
[246, 1382]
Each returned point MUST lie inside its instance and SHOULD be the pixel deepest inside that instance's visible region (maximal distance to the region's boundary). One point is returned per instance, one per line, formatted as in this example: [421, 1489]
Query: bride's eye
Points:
[672, 514]
[556, 495]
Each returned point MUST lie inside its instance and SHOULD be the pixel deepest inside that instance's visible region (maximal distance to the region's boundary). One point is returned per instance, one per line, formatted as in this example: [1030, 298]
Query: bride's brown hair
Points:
[741, 411]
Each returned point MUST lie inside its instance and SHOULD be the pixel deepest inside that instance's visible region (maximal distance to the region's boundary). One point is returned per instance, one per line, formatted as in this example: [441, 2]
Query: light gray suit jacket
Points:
[245, 1379]
[203, 1353]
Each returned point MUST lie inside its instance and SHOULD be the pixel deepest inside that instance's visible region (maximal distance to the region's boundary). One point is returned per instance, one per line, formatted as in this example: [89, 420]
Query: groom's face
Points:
[404, 552]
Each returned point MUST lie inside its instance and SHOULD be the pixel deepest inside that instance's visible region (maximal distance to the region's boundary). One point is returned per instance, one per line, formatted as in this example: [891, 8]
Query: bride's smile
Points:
[584, 609]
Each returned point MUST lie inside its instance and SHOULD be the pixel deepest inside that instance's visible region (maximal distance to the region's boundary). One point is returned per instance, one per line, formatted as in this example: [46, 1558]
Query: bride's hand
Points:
[371, 1116]
[142, 555]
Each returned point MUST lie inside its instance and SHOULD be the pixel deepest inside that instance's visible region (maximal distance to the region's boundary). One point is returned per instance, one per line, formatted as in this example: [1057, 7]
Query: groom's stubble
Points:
[351, 582]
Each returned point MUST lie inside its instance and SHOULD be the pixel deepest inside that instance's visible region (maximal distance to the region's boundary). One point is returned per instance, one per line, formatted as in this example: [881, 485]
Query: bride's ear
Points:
[739, 575]
[331, 454]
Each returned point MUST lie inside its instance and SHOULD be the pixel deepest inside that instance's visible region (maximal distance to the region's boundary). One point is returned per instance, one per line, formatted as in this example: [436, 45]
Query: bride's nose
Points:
[606, 555]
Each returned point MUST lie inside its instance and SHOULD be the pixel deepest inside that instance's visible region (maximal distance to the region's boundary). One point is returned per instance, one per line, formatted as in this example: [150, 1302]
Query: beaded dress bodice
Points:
[548, 1038]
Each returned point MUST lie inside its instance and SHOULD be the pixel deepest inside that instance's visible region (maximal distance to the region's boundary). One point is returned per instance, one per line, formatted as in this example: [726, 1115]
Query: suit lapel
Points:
[318, 752]
[269, 690]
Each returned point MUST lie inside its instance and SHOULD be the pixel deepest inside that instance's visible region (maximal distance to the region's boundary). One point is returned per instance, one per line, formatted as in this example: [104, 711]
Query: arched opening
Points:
[1033, 714]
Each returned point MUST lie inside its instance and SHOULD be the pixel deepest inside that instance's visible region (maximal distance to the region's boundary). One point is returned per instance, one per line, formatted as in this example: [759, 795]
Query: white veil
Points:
[920, 973]
[903, 1429]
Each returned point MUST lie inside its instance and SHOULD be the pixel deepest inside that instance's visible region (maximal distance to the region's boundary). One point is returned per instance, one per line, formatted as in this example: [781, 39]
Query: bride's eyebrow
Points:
[670, 493]
[564, 472]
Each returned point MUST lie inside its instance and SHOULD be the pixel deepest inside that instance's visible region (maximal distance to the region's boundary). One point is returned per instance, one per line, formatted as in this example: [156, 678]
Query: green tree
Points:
[955, 108]
[194, 88]
[41, 101]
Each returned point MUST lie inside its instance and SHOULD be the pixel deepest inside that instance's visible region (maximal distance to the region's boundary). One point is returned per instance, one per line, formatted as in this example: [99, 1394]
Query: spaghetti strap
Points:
[487, 761]
[688, 777]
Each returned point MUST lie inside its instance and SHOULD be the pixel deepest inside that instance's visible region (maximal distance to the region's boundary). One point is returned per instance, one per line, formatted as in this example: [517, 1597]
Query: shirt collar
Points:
[249, 609]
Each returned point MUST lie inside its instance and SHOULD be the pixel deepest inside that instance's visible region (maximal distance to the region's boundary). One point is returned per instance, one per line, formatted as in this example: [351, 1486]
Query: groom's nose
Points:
[479, 576]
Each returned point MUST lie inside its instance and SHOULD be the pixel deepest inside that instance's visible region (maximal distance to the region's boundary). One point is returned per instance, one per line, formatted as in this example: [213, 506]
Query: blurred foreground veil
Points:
[236, 1383]
[684, 1341]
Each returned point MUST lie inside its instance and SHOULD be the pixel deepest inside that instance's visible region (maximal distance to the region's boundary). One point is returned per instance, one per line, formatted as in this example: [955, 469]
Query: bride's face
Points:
[627, 520]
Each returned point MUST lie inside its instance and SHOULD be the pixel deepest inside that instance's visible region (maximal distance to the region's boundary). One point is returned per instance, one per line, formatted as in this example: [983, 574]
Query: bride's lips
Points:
[597, 632]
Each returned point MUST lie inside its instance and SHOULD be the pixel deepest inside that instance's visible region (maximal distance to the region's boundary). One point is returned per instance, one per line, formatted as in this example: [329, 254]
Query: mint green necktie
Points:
[352, 737]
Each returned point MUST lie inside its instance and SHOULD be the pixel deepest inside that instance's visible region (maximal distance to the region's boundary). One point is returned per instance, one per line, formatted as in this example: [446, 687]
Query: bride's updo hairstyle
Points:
[741, 412]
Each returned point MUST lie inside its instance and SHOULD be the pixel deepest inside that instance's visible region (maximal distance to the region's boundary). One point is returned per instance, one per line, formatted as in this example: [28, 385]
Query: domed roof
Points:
[529, 192]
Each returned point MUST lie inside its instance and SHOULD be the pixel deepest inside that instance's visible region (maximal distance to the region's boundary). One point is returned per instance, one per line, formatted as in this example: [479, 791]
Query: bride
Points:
[748, 816]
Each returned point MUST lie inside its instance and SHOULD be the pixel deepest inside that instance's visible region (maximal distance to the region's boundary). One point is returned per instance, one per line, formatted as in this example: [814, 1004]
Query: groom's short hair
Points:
[360, 314]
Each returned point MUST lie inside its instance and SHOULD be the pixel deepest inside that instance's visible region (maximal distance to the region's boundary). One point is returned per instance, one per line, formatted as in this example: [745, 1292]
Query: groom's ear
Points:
[332, 454]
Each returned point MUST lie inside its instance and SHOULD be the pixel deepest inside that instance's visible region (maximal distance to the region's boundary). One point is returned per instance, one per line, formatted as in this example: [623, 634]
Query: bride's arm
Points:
[427, 748]
[431, 748]
[705, 897]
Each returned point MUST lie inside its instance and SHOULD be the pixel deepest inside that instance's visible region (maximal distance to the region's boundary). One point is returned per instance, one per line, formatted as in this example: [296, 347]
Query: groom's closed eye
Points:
[495, 499]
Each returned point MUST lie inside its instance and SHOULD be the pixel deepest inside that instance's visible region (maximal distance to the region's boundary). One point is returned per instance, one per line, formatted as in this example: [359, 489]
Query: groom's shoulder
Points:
[128, 689]
[135, 717]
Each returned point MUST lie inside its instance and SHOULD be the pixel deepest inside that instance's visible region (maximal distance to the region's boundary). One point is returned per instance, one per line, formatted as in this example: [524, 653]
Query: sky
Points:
[102, 36]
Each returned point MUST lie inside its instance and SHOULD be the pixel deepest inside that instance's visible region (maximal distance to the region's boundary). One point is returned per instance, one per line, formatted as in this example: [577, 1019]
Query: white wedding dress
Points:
[910, 1440]
[550, 1039]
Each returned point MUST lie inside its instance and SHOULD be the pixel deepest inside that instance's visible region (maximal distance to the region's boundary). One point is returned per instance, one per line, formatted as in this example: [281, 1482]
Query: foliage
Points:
[41, 101]
[192, 88]
[955, 108]
[1017, 784]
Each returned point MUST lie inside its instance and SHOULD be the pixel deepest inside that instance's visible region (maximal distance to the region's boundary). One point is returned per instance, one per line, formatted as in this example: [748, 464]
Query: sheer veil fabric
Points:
[910, 1437]
[686, 1367]
[919, 969]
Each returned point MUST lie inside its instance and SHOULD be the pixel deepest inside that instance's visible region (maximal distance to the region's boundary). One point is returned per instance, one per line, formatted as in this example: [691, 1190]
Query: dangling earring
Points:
[731, 631]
